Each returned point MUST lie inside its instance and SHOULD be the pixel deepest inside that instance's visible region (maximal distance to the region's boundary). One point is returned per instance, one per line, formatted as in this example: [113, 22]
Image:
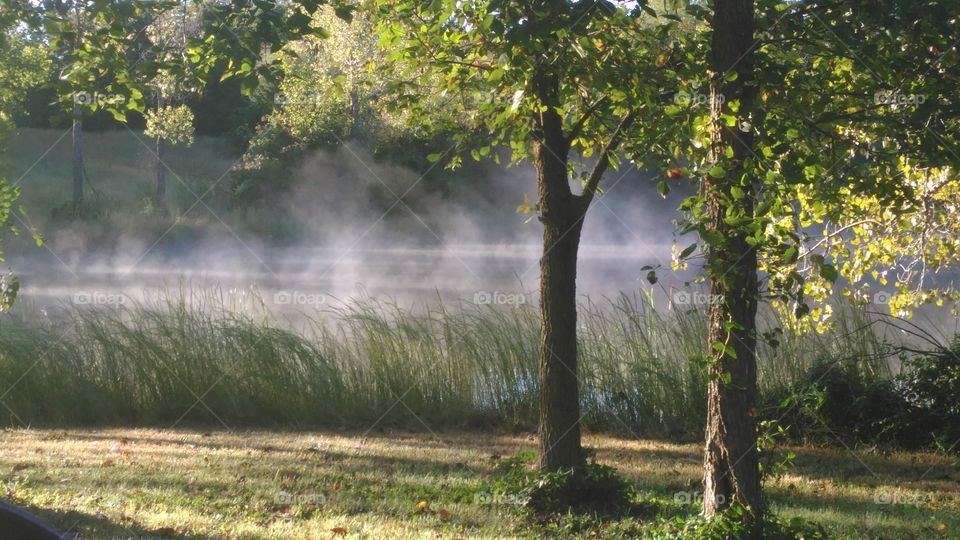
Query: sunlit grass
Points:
[190, 484]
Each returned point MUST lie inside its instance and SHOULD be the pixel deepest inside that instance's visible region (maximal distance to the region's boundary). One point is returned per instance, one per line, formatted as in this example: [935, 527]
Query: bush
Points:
[839, 402]
[930, 386]
[591, 489]
[729, 526]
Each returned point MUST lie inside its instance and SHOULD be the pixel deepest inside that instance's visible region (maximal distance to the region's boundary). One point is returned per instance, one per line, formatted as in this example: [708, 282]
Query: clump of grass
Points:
[205, 357]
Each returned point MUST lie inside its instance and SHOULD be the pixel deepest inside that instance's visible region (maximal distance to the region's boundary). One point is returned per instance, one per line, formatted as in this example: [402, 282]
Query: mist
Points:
[362, 228]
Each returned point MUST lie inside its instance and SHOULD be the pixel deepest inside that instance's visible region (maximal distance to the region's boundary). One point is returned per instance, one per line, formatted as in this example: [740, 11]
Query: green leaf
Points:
[717, 171]
[687, 251]
[663, 189]
[828, 272]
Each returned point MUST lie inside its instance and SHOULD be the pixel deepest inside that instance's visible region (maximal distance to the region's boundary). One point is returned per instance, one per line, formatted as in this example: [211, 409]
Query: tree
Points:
[169, 122]
[91, 40]
[168, 125]
[794, 137]
[557, 82]
[731, 462]
[23, 65]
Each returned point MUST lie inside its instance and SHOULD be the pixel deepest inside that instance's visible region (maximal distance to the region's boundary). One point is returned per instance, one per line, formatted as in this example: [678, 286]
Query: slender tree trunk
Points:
[731, 460]
[77, 156]
[562, 215]
[354, 113]
[77, 121]
[161, 172]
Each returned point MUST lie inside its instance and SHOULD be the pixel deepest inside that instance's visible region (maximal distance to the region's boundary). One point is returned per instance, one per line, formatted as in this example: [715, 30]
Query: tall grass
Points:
[198, 357]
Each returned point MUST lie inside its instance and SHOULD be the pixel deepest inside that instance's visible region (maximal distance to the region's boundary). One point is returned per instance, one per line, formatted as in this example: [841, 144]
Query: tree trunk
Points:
[161, 172]
[731, 460]
[354, 114]
[562, 215]
[77, 156]
[559, 392]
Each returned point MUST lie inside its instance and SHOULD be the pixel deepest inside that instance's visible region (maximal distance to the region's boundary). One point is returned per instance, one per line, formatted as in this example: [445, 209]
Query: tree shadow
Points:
[76, 525]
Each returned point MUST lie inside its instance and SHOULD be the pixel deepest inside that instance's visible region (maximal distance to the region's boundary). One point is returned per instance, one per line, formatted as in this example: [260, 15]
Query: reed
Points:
[204, 357]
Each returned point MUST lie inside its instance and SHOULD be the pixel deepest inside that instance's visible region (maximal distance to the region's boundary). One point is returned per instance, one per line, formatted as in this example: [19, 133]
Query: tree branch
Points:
[578, 127]
[593, 183]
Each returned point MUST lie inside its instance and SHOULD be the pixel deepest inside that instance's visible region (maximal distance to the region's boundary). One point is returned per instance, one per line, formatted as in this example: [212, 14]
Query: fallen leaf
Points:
[444, 514]
[339, 531]
[106, 463]
[20, 467]
[422, 505]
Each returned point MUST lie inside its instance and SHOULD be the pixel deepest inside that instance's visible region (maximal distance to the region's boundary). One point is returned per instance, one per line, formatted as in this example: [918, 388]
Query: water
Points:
[296, 279]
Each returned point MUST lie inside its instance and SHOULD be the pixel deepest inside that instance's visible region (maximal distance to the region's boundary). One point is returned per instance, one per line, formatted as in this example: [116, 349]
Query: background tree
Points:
[24, 63]
[169, 122]
[92, 41]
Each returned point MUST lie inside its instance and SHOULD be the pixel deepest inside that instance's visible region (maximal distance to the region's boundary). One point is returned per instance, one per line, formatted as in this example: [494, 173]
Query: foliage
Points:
[338, 87]
[730, 524]
[838, 402]
[908, 245]
[172, 124]
[25, 64]
[843, 402]
[593, 489]
[489, 57]
[930, 384]
[850, 119]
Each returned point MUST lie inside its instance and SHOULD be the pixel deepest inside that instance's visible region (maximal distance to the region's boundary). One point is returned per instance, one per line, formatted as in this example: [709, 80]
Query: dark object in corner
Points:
[15, 524]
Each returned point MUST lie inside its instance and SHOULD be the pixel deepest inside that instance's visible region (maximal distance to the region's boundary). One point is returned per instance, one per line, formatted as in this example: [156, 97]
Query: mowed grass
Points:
[149, 483]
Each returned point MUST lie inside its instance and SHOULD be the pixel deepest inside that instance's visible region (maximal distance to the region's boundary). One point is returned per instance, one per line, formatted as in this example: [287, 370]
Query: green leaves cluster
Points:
[172, 124]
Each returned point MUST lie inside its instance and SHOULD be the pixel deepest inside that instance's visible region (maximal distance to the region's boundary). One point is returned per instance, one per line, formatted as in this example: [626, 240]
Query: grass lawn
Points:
[146, 483]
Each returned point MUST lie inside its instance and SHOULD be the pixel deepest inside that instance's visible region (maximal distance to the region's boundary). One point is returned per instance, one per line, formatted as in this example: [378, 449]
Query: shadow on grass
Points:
[73, 524]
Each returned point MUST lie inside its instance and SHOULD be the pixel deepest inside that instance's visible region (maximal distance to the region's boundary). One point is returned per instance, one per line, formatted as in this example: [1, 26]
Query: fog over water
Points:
[463, 242]
[363, 229]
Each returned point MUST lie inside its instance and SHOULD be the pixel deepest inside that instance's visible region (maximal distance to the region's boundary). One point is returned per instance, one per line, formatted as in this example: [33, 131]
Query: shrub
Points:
[591, 489]
[930, 385]
[729, 526]
[839, 402]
